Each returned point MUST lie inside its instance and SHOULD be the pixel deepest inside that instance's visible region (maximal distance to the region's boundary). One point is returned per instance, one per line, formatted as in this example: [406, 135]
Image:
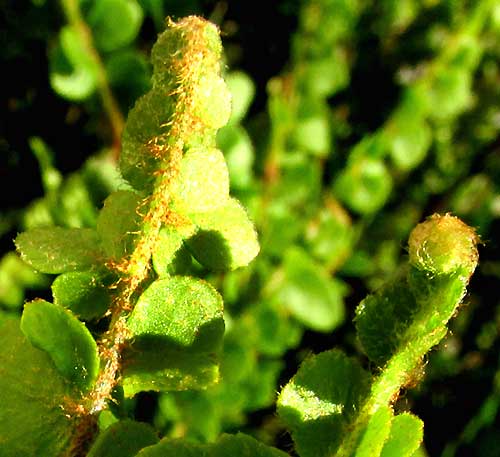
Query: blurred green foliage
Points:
[383, 113]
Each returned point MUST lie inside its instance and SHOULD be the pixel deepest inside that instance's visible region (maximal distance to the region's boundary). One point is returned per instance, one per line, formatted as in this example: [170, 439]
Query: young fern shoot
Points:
[397, 326]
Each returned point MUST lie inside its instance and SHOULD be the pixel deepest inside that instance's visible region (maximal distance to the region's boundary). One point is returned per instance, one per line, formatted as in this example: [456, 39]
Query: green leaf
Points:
[238, 357]
[391, 318]
[73, 74]
[33, 399]
[102, 177]
[176, 328]
[73, 206]
[260, 386]
[312, 297]
[239, 153]
[323, 77]
[65, 339]
[114, 23]
[299, 184]
[38, 214]
[330, 236]
[312, 132]
[118, 223]
[165, 369]
[15, 277]
[376, 433]
[179, 310]
[123, 439]
[405, 438]
[146, 120]
[195, 410]
[407, 133]
[382, 319]
[409, 142]
[276, 330]
[203, 183]
[364, 186]
[51, 177]
[451, 92]
[321, 400]
[226, 238]
[227, 445]
[171, 255]
[242, 91]
[212, 101]
[283, 228]
[83, 292]
[129, 76]
[58, 250]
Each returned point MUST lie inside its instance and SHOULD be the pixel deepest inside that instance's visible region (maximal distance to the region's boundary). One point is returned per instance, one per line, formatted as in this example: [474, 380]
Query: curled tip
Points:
[442, 244]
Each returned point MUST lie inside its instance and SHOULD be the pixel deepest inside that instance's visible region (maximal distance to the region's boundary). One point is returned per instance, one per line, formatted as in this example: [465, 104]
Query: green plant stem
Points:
[74, 16]
[425, 332]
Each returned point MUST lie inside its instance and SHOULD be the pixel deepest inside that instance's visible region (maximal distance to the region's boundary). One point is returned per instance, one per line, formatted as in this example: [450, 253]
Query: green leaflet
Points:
[123, 439]
[281, 231]
[176, 328]
[128, 74]
[181, 310]
[226, 238]
[144, 122]
[118, 223]
[299, 185]
[196, 410]
[321, 400]
[164, 369]
[203, 181]
[239, 153]
[242, 90]
[212, 101]
[276, 331]
[65, 339]
[227, 446]
[111, 33]
[34, 399]
[382, 319]
[311, 296]
[74, 193]
[451, 91]
[364, 186]
[259, 388]
[326, 76]
[410, 143]
[51, 177]
[57, 249]
[330, 238]
[15, 276]
[73, 74]
[83, 292]
[171, 255]
[312, 133]
[405, 437]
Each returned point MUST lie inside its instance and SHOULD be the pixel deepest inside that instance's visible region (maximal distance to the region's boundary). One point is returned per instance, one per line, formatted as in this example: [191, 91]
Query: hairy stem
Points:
[182, 76]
